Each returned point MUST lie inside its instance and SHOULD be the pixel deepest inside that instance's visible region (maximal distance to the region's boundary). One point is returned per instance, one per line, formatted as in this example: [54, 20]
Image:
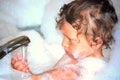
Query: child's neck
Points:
[98, 54]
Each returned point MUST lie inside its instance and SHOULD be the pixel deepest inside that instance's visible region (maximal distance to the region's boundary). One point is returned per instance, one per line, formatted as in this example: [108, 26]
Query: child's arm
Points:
[61, 72]
[21, 64]
[68, 72]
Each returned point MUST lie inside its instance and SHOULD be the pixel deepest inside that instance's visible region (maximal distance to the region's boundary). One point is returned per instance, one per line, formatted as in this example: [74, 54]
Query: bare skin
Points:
[76, 46]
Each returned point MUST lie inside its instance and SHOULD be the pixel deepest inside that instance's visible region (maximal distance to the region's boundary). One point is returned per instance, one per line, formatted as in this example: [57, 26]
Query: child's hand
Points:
[19, 63]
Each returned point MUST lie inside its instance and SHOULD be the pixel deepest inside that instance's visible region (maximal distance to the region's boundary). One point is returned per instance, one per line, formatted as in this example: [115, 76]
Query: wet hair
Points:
[90, 17]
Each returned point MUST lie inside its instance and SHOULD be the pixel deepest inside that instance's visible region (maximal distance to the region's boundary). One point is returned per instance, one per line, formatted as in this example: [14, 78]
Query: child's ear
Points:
[97, 43]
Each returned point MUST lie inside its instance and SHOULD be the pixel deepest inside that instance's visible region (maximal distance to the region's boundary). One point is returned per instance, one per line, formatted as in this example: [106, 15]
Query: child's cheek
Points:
[79, 54]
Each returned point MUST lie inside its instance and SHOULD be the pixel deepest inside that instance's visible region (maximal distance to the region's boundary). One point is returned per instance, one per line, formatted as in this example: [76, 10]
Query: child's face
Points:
[76, 46]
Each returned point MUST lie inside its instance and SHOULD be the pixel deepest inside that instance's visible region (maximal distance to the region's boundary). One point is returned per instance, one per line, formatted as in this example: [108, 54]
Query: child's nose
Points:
[65, 43]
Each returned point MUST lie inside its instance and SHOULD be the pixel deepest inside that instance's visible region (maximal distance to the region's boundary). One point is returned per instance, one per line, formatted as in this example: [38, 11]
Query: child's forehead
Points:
[67, 29]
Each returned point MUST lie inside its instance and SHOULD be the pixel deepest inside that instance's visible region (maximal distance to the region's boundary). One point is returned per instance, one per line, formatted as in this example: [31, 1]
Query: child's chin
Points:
[76, 55]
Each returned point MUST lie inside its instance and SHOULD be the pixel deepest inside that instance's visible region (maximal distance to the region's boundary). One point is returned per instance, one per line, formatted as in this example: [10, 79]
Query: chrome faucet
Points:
[13, 44]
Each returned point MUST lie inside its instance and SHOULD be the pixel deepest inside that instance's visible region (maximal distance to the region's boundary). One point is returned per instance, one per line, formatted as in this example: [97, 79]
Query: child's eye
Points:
[71, 40]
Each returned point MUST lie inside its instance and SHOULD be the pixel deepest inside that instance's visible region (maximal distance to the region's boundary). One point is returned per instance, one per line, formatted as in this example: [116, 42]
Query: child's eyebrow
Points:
[69, 37]
[66, 35]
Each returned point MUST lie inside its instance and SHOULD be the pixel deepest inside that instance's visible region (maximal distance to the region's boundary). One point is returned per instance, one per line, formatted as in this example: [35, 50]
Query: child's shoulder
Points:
[92, 63]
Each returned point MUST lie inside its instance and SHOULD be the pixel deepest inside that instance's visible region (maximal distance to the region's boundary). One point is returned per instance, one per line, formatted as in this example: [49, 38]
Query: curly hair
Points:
[90, 17]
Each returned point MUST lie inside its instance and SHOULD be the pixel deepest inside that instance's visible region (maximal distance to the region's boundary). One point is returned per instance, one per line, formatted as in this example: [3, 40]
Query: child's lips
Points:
[67, 52]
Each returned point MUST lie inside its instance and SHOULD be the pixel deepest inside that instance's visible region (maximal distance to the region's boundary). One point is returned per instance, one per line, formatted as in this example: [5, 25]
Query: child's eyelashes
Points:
[72, 39]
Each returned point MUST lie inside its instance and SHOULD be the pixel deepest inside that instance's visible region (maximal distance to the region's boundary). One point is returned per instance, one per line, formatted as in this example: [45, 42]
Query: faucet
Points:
[13, 44]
